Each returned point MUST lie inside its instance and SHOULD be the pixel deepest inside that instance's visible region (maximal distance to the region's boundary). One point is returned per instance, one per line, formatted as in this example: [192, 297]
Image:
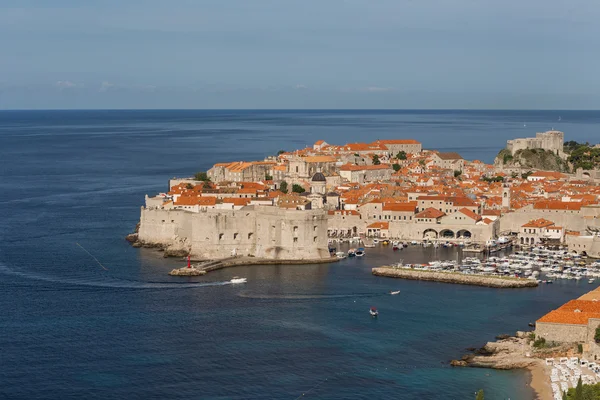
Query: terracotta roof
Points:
[236, 201]
[396, 206]
[430, 213]
[315, 159]
[557, 205]
[449, 156]
[470, 214]
[379, 225]
[398, 141]
[538, 223]
[568, 317]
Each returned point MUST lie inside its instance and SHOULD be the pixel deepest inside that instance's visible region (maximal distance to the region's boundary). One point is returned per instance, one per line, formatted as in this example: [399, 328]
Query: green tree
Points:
[422, 162]
[401, 155]
[280, 152]
[206, 185]
[283, 187]
[189, 186]
[597, 335]
[579, 390]
[457, 173]
[297, 188]
[526, 174]
[268, 177]
[479, 395]
[396, 167]
[201, 176]
[376, 160]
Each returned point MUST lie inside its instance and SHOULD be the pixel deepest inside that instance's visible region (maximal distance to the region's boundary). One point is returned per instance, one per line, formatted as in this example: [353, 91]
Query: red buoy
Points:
[189, 263]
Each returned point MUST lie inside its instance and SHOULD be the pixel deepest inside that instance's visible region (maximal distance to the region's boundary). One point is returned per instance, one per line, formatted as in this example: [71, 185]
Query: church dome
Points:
[318, 177]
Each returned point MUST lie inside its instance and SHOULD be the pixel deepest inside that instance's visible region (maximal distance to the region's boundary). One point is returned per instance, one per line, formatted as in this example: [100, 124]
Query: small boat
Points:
[395, 292]
[340, 254]
[373, 311]
[351, 253]
[375, 241]
[237, 279]
[548, 282]
[591, 281]
[385, 242]
[360, 252]
[395, 247]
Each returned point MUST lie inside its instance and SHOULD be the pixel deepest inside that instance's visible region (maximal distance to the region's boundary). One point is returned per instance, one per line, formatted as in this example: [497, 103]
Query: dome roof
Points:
[319, 177]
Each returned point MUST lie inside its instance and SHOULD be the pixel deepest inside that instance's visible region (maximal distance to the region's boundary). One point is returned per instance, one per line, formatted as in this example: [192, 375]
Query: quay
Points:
[454, 277]
[213, 265]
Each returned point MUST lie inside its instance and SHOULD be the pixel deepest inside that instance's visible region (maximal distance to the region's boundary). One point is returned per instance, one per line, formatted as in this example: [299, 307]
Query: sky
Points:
[509, 54]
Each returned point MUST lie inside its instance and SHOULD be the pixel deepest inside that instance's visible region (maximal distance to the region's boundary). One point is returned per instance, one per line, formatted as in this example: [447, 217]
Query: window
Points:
[295, 240]
[235, 235]
[250, 235]
[295, 229]
[220, 236]
[315, 228]
[315, 239]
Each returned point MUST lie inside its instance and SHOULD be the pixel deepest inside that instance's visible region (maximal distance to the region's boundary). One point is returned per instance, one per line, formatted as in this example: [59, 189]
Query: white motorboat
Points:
[373, 311]
[591, 281]
[395, 292]
[340, 254]
[360, 252]
[237, 279]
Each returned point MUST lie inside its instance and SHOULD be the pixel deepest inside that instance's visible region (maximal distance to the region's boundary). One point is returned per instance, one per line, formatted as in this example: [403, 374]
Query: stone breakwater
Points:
[451, 277]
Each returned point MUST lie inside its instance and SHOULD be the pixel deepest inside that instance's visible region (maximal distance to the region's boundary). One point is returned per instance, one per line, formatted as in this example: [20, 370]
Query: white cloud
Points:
[105, 86]
[65, 84]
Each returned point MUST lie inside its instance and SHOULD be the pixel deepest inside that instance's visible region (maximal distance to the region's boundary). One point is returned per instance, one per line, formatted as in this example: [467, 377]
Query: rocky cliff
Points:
[529, 159]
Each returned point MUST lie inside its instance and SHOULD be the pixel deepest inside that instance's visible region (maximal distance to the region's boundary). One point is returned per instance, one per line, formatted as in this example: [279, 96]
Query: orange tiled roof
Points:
[379, 225]
[430, 213]
[538, 223]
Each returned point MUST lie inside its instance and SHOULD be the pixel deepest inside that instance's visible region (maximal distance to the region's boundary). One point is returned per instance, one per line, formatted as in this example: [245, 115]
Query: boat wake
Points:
[108, 282]
[299, 296]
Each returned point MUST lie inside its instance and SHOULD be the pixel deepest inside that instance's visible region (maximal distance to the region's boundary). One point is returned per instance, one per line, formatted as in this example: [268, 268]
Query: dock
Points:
[454, 277]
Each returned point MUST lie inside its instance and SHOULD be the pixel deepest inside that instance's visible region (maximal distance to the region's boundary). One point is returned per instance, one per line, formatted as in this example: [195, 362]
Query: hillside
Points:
[531, 159]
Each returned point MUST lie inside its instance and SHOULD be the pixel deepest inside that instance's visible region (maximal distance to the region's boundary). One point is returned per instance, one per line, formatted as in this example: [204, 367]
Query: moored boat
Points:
[360, 252]
[373, 311]
[237, 279]
[395, 292]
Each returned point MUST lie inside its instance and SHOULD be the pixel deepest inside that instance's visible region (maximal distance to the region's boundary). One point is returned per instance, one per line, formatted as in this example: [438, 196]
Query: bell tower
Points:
[505, 195]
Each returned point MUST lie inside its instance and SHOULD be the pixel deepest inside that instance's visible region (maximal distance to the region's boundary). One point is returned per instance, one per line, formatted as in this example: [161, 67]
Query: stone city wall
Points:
[265, 232]
[564, 333]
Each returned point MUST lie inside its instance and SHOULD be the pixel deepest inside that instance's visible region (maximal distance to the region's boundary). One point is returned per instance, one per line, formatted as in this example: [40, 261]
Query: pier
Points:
[454, 277]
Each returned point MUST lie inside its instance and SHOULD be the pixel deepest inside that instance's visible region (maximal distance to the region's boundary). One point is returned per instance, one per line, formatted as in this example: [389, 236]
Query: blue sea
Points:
[84, 315]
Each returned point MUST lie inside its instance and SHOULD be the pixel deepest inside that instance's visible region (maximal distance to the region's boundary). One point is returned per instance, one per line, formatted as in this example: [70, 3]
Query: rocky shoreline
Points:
[449, 277]
[517, 352]
[510, 352]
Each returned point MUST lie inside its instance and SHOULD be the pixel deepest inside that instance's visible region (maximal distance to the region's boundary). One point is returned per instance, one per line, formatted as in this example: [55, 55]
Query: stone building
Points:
[574, 323]
[551, 141]
[366, 173]
[450, 160]
[263, 232]
[539, 231]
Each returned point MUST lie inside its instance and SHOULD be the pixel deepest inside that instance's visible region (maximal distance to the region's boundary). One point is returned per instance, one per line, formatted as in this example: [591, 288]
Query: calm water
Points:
[71, 329]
